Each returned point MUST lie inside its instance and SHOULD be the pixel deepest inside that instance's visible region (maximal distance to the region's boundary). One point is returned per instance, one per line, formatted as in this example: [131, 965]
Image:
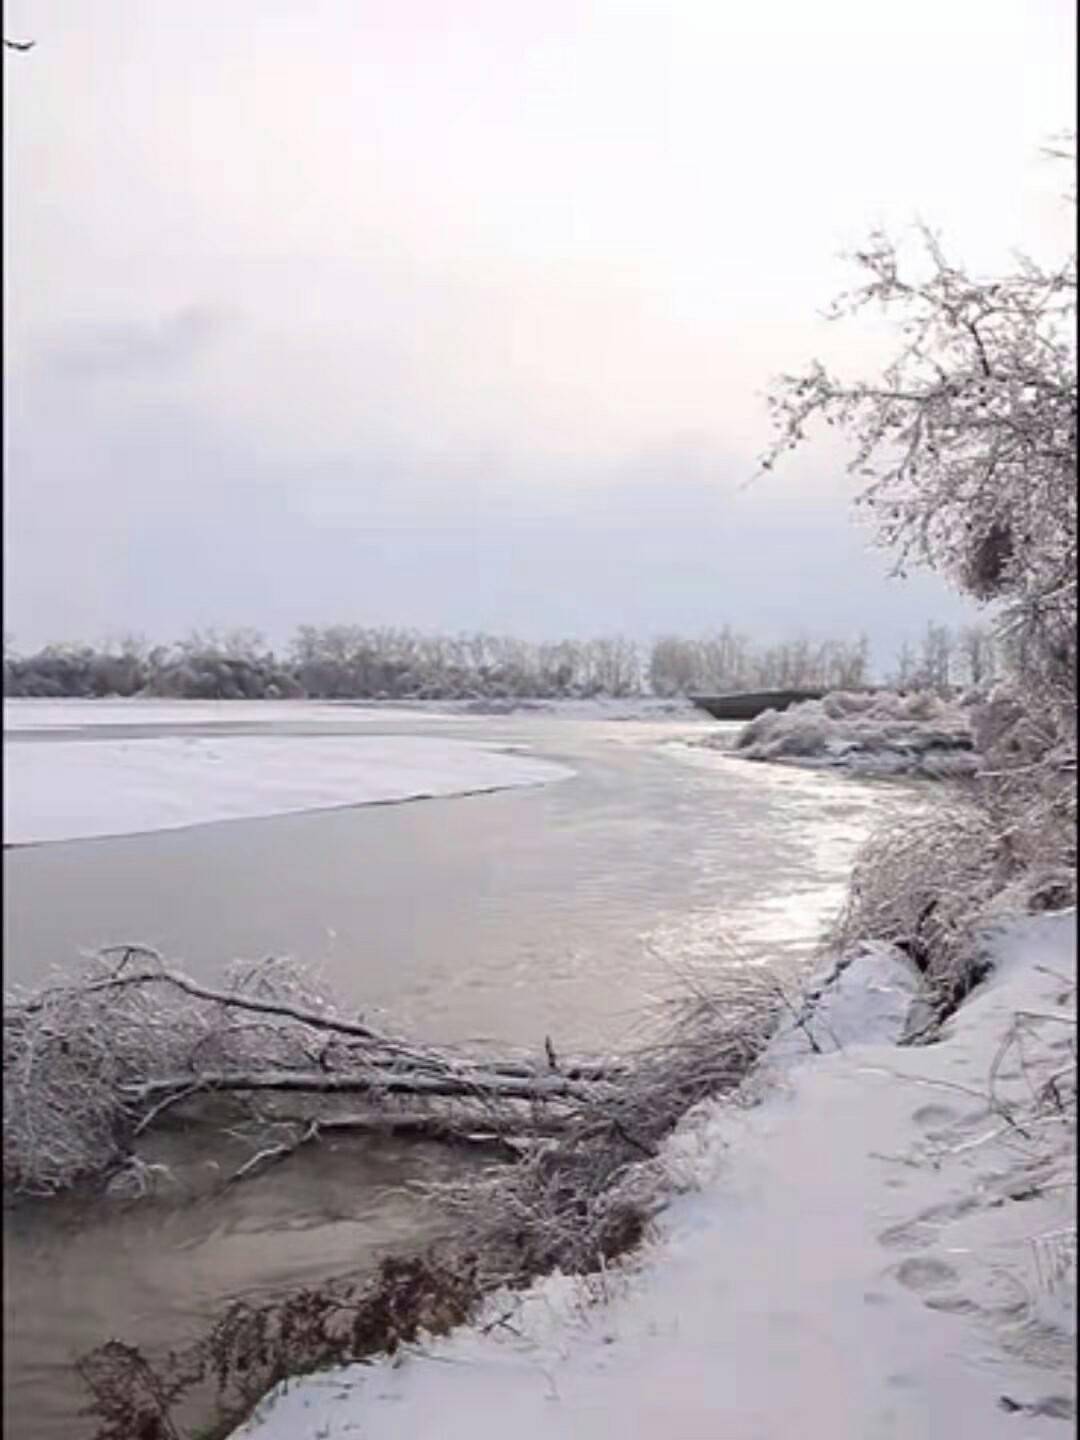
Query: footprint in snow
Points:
[924, 1274]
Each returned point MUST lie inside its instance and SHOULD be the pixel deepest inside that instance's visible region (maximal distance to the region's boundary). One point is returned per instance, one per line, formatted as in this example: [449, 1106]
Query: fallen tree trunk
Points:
[234, 1000]
[469, 1085]
[92, 1065]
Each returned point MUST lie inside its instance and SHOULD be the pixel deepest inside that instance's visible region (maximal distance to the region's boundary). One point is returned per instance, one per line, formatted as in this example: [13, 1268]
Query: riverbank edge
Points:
[862, 1005]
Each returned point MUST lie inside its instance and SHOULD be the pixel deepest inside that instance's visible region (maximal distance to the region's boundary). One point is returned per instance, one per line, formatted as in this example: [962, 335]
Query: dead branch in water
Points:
[94, 1064]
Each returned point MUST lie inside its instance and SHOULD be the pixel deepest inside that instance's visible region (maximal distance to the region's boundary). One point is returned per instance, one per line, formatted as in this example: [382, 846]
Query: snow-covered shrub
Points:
[839, 704]
[924, 888]
[799, 732]
[881, 734]
[1027, 787]
[923, 705]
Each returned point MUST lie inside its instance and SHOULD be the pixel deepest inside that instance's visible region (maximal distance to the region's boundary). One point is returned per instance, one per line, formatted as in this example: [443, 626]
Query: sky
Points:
[460, 315]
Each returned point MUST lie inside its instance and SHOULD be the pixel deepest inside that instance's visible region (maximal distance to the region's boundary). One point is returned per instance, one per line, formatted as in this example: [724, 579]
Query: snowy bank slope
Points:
[856, 1265]
[75, 789]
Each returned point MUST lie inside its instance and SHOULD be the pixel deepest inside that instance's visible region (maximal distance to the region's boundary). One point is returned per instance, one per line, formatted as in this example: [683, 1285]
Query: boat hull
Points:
[745, 705]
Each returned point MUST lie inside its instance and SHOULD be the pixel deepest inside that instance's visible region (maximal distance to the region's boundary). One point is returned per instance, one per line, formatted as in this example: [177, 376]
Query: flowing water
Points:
[562, 910]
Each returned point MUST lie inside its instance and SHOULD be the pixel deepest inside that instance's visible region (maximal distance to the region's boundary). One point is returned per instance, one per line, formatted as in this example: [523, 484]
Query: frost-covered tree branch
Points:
[965, 444]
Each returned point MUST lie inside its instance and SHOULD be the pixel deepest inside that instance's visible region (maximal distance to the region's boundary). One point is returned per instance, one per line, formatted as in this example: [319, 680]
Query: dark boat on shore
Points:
[746, 704]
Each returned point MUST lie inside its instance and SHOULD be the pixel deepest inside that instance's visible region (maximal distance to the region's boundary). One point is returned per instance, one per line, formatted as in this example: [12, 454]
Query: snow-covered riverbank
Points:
[874, 1250]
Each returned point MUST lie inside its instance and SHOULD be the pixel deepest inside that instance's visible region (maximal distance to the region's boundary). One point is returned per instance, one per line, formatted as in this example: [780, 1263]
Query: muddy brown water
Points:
[563, 910]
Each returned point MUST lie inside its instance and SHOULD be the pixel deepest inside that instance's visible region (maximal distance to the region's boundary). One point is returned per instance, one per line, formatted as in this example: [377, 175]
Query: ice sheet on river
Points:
[78, 789]
[72, 714]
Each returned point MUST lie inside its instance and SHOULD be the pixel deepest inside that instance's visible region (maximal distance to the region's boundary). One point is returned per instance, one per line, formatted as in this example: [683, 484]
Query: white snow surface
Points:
[851, 1259]
[78, 789]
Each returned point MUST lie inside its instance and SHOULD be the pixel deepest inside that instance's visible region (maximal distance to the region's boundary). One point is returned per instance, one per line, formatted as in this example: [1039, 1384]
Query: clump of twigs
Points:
[576, 1202]
[1033, 1086]
[255, 1346]
[924, 889]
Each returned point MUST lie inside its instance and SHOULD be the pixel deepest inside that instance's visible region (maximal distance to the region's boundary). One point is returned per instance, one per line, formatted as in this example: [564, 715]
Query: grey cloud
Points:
[176, 521]
[480, 325]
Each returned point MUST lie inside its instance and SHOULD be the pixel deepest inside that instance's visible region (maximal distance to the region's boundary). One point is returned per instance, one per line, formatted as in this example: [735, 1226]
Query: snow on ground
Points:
[868, 734]
[858, 1260]
[76, 789]
[76, 714]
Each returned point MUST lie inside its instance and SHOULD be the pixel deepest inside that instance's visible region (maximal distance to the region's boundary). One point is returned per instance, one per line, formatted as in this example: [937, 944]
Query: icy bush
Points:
[872, 733]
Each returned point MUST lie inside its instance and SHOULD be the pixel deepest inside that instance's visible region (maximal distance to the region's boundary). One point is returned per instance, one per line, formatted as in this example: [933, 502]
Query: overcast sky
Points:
[458, 313]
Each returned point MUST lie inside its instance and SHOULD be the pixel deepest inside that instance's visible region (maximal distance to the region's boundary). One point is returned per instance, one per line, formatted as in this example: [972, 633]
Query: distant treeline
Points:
[338, 662]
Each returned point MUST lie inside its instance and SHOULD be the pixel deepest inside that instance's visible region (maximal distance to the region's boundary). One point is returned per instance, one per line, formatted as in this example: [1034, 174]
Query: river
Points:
[562, 910]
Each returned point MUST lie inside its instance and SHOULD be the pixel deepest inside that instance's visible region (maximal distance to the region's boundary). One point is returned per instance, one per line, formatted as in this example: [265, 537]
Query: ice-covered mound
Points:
[874, 734]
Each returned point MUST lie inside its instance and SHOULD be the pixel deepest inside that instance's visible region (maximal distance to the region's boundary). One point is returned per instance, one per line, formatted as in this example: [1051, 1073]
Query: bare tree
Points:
[966, 443]
[903, 677]
[975, 645]
[934, 671]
